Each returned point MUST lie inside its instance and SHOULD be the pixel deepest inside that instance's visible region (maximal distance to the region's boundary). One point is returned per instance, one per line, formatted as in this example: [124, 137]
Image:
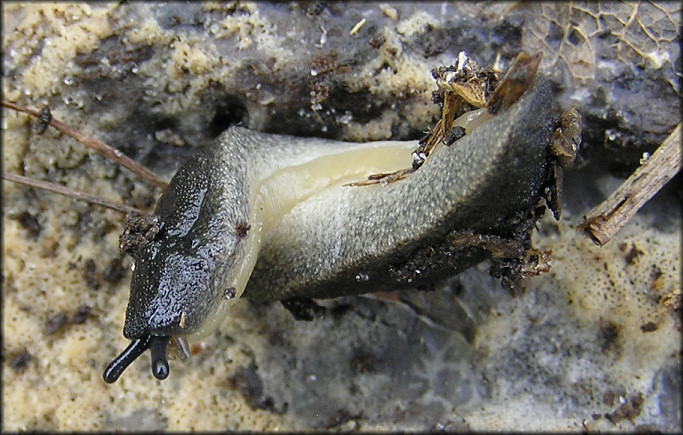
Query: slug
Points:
[272, 217]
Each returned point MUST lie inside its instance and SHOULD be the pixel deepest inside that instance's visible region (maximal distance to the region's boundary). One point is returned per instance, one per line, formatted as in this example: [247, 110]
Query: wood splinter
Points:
[607, 218]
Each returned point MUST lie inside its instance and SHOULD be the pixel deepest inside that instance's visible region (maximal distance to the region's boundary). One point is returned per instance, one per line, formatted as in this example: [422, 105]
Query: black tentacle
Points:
[157, 347]
[121, 362]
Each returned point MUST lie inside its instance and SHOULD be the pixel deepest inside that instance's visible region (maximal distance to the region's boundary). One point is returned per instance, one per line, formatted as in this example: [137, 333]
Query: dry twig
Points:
[57, 188]
[604, 220]
[100, 147]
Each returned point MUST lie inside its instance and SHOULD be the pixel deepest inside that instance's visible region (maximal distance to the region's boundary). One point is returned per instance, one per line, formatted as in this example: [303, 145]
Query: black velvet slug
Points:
[269, 217]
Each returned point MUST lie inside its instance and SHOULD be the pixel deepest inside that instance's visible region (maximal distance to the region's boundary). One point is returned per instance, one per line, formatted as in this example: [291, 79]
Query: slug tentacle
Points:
[157, 348]
[121, 362]
[157, 345]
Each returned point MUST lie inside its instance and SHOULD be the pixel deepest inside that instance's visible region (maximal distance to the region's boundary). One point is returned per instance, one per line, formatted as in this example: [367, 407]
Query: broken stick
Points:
[603, 221]
[57, 188]
[94, 144]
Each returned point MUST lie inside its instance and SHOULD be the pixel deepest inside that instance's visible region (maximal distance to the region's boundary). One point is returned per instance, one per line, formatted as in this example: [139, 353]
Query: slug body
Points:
[271, 217]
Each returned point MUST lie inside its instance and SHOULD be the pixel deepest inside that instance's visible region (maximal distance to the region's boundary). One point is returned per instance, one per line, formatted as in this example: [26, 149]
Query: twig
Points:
[99, 147]
[357, 27]
[56, 188]
[603, 221]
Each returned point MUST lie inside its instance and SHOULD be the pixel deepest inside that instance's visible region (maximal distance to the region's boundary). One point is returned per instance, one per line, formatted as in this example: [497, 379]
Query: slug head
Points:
[171, 295]
[175, 287]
